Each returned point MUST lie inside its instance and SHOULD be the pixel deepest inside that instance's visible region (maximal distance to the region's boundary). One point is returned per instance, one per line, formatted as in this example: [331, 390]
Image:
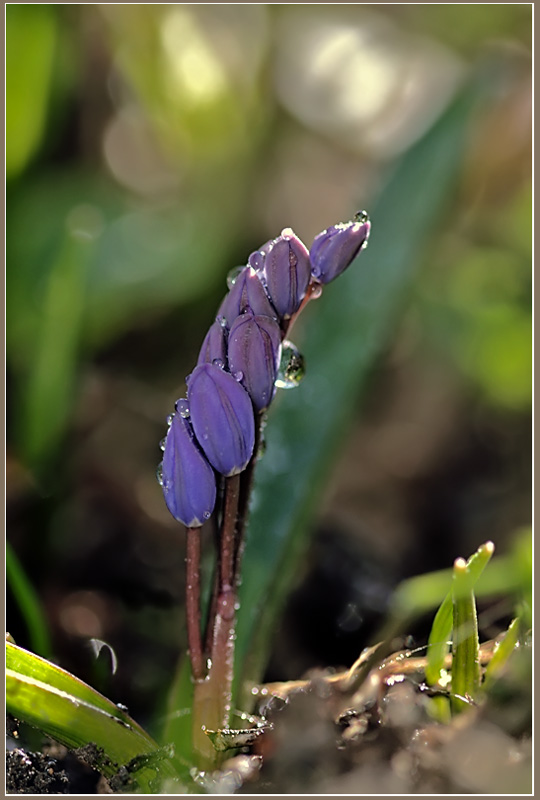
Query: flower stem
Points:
[193, 606]
[213, 696]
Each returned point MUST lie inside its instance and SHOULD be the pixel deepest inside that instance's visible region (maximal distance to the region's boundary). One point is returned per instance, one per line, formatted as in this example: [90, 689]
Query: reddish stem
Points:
[193, 595]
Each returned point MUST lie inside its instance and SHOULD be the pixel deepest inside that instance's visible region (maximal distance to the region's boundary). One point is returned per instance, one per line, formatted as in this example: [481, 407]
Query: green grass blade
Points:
[70, 711]
[342, 334]
[465, 657]
[503, 651]
[438, 645]
[28, 603]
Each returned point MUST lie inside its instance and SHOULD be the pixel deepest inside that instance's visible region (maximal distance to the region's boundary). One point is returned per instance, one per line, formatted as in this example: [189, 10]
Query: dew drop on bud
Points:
[207, 514]
[238, 375]
[315, 290]
[362, 217]
[170, 419]
[182, 406]
[159, 474]
[218, 362]
[221, 321]
[162, 443]
[291, 367]
[232, 275]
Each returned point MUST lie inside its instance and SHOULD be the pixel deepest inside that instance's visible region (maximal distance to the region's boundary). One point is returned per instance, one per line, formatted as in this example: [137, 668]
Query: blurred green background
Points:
[150, 149]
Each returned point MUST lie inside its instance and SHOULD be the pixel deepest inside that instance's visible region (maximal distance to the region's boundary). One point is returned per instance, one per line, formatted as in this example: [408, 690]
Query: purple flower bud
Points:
[335, 248]
[286, 272]
[222, 417]
[254, 352]
[214, 347]
[246, 294]
[188, 480]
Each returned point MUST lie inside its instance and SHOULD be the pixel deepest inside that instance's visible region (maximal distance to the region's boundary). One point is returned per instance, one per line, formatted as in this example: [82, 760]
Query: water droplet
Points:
[222, 321]
[362, 217]
[182, 406]
[207, 514]
[170, 419]
[162, 443]
[218, 362]
[232, 275]
[159, 474]
[208, 663]
[291, 367]
[315, 290]
[238, 375]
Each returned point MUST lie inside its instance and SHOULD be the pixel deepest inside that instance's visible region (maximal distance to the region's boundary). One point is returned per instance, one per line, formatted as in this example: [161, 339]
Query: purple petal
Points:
[287, 272]
[253, 353]
[335, 248]
[247, 294]
[189, 482]
[222, 417]
[214, 347]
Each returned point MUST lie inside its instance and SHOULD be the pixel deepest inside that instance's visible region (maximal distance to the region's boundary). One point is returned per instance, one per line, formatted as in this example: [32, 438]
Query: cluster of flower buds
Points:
[213, 428]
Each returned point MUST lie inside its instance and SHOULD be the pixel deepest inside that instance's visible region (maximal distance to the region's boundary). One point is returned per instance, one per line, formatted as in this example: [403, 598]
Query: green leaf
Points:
[465, 655]
[438, 645]
[31, 34]
[48, 395]
[504, 649]
[28, 603]
[70, 711]
[342, 334]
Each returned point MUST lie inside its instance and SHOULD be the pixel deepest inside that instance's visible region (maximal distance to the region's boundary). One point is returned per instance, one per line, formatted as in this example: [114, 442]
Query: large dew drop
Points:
[232, 275]
[182, 406]
[291, 367]
[362, 217]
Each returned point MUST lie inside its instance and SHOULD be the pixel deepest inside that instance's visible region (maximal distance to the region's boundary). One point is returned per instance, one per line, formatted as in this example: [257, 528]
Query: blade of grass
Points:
[28, 603]
[503, 651]
[64, 707]
[465, 658]
[438, 644]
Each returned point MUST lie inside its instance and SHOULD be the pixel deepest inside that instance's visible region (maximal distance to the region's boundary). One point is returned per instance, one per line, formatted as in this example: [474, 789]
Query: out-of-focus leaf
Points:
[28, 603]
[51, 383]
[31, 33]
[343, 333]
[465, 654]
[62, 706]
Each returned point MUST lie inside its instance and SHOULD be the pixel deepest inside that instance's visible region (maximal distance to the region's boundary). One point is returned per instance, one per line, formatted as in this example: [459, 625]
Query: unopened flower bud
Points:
[334, 249]
[286, 272]
[222, 417]
[246, 294]
[253, 353]
[188, 480]
[214, 346]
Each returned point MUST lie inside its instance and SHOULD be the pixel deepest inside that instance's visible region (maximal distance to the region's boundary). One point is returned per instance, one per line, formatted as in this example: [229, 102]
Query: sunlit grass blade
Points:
[465, 656]
[28, 604]
[504, 649]
[67, 709]
[438, 643]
